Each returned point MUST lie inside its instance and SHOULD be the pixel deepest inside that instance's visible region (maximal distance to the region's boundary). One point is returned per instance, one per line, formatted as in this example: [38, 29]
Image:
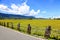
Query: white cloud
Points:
[23, 9]
[34, 13]
[3, 7]
[14, 7]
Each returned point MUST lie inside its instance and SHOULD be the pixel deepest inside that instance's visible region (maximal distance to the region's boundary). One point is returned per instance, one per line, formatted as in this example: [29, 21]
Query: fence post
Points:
[29, 29]
[0, 23]
[4, 24]
[18, 26]
[7, 24]
[12, 25]
[47, 32]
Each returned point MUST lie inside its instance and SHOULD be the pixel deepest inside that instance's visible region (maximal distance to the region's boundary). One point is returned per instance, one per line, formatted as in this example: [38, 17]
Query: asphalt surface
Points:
[9, 34]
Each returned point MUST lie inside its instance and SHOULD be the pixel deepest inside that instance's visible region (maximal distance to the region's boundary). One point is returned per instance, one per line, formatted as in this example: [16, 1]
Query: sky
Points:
[36, 8]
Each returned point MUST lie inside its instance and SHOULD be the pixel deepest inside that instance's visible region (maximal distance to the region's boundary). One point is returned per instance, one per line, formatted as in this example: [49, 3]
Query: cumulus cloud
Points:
[3, 7]
[14, 7]
[32, 12]
[22, 9]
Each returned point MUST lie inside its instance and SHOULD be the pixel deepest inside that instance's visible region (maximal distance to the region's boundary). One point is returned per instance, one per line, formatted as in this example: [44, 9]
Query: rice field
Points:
[38, 26]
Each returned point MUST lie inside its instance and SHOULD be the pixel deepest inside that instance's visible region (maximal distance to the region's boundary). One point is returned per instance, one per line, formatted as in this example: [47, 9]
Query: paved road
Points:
[9, 34]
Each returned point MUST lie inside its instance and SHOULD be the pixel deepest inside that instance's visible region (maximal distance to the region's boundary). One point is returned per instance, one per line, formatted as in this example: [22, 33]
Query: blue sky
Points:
[37, 8]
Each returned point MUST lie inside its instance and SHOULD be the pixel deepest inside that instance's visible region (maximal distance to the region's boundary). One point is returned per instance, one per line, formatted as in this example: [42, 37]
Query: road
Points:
[9, 34]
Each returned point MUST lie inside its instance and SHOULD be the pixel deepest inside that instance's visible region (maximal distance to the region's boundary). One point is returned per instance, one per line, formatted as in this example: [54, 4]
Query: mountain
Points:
[9, 16]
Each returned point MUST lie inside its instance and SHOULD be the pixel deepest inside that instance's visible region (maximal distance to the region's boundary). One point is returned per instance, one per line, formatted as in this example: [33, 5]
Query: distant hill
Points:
[10, 16]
